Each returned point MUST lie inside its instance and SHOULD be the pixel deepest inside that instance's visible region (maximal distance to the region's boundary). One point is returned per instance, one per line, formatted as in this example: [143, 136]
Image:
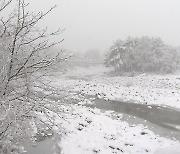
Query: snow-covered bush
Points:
[142, 55]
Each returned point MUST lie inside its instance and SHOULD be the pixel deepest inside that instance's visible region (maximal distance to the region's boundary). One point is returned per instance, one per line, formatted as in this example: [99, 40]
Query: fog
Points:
[92, 93]
[97, 23]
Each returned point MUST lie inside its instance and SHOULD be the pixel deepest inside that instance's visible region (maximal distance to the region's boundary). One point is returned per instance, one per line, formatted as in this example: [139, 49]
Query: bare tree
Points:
[23, 53]
[4, 4]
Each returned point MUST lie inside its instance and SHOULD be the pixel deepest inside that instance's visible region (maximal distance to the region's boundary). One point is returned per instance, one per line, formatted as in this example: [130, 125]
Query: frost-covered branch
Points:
[24, 55]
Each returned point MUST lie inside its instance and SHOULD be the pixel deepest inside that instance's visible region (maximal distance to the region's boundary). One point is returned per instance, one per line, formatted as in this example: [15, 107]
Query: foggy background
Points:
[53, 96]
[97, 23]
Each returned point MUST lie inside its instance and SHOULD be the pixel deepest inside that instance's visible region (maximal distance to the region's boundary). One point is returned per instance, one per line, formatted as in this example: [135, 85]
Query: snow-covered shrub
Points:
[142, 55]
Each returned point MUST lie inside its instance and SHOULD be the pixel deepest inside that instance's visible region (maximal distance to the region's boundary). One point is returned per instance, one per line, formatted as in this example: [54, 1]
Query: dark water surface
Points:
[162, 120]
[42, 147]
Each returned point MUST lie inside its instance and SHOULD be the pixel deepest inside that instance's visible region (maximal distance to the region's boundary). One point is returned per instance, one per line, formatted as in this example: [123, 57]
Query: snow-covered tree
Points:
[143, 55]
[24, 51]
[115, 55]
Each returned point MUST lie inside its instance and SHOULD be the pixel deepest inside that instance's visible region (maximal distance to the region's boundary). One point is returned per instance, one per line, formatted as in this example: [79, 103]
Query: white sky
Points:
[97, 23]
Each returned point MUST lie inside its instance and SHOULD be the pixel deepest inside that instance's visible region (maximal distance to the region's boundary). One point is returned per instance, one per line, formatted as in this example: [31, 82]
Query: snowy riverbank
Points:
[144, 89]
[91, 131]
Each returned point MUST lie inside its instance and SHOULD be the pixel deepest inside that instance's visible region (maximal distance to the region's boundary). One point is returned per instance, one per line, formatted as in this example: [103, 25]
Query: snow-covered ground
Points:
[88, 71]
[89, 131]
[92, 131]
[144, 88]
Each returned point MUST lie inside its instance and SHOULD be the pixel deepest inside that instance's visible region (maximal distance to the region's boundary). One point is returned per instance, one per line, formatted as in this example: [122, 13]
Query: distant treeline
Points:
[143, 54]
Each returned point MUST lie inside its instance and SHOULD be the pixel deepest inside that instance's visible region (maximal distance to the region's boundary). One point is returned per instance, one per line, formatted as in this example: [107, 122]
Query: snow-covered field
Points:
[92, 131]
[144, 88]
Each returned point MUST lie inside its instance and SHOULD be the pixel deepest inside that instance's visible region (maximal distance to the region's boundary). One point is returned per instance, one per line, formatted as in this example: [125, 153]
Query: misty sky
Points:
[97, 23]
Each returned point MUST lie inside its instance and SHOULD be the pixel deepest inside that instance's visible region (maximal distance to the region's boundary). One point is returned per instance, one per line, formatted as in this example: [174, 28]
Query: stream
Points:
[44, 147]
[161, 120]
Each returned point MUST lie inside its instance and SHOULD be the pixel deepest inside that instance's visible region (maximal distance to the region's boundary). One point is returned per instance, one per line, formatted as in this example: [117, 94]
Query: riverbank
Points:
[92, 130]
[105, 134]
[143, 89]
